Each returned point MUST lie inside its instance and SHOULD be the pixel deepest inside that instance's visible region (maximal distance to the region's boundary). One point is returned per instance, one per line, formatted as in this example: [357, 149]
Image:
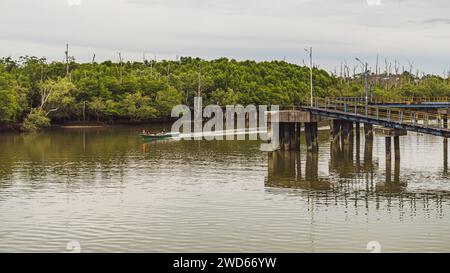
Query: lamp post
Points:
[366, 83]
[310, 52]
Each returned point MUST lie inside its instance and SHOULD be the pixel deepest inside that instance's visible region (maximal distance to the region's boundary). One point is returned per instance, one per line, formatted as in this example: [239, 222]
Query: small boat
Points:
[158, 136]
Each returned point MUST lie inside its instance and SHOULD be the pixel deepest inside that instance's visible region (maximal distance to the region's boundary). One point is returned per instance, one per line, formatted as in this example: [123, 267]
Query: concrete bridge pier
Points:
[289, 136]
[311, 134]
[357, 132]
[368, 131]
[347, 132]
[289, 122]
[397, 147]
[388, 144]
[343, 130]
[336, 129]
[445, 113]
[388, 134]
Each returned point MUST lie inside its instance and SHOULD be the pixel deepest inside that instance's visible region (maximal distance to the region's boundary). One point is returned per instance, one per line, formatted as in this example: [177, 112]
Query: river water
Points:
[107, 191]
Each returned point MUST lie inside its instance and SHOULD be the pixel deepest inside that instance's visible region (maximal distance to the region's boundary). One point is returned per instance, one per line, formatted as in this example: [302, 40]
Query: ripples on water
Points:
[113, 193]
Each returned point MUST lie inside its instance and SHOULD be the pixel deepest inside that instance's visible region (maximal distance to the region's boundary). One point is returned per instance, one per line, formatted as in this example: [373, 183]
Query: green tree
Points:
[58, 98]
[167, 99]
[137, 107]
[35, 121]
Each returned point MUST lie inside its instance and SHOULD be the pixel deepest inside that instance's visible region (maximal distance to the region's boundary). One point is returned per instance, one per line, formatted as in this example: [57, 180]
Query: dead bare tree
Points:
[448, 76]
[45, 91]
[376, 65]
[303, 62]
[355, 67]
[410, 63]
[120, 68]
[199, 89]
[396, 66]
[386, 69]
[376, 68]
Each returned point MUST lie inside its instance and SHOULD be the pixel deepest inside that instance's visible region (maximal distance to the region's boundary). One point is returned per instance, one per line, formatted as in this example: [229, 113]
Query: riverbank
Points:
[17, 127]
[10, 127]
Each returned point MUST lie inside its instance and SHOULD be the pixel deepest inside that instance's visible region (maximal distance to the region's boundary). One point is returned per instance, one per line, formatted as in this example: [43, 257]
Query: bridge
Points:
[418, 103]
[347, 114]
[345, 165]
[385, 116]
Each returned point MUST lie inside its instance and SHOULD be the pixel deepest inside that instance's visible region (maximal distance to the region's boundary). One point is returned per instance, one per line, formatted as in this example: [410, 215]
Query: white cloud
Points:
[73, 2]
[255, 29]
[373, 2]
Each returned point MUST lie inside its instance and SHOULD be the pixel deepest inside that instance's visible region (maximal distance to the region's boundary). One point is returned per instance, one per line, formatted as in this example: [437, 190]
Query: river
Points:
[107, 191]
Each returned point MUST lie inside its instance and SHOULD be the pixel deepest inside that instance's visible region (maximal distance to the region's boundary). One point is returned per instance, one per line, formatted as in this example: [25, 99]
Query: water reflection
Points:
[348, 178]
[112, 192]
[445, 169]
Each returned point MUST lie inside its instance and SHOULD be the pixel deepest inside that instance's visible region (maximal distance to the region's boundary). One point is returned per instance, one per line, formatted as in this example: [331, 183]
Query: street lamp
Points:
[366, 82]
[310, 52]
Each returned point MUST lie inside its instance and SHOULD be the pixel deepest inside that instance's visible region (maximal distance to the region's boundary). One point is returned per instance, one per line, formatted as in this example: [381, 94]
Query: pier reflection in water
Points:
[350, 177]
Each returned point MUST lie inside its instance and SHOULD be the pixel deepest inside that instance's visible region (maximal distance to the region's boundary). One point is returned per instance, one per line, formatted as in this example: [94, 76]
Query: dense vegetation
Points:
[34, 91]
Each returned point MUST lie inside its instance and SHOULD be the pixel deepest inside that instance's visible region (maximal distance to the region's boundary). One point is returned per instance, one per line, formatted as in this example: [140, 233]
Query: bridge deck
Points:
[422, 122]
[402, 102]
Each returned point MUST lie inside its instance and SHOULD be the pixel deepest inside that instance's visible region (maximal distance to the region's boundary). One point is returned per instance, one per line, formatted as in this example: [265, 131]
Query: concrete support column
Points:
[368, 154]
[388, 159]
[348, 131]
[397, 171]
[281, 135]
[292, 136]
[289, 122]
[357, 132]
[315, 134]
[308, 136]
[445, 113]
[298, 129]
[397, 147]
[311, 135]
[287, 136]
[368, 131]
[336, 129]
[388, 148]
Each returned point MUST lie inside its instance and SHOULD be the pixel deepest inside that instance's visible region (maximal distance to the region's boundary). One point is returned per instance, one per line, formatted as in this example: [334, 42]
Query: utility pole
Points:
[67, 60]
[310, 52]
[366, 83]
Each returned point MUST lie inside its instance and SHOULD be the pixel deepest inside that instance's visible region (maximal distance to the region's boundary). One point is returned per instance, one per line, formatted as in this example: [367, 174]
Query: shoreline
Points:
[16, 127]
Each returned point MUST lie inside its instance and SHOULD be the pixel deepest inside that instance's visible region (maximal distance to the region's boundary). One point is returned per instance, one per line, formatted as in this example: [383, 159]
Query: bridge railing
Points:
[389, 114]
[395, 100]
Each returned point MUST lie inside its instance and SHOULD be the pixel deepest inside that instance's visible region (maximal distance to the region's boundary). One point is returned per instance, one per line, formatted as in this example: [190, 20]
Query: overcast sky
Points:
[338, 30]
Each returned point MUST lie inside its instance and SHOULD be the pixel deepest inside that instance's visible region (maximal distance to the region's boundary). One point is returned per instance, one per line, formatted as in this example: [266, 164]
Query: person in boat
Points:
[144, 132]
